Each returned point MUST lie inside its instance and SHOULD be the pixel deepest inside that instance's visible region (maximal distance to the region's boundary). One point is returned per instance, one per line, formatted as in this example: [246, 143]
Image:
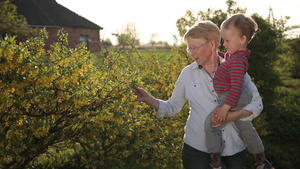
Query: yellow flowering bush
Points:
[59, 105]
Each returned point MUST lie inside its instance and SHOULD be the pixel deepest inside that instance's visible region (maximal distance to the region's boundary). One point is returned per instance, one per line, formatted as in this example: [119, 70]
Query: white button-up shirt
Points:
[196, 86]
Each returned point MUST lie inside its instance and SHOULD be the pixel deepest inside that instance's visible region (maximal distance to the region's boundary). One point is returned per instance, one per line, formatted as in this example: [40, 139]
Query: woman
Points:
[195, 85]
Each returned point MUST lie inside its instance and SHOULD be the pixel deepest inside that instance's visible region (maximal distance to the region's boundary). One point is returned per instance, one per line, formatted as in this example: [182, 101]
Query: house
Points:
[53, 16]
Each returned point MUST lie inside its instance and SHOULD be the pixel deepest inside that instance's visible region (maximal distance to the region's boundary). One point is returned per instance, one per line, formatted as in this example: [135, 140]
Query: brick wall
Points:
[74, 35]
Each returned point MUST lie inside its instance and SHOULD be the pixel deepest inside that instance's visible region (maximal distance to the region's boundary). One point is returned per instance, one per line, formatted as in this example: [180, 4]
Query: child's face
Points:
[233, 40]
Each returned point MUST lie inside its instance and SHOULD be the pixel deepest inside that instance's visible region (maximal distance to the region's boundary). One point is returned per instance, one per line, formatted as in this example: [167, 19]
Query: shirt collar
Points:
[194, 65]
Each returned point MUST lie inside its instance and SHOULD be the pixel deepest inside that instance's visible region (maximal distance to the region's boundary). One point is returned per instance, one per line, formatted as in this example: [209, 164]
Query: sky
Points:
[159, 16]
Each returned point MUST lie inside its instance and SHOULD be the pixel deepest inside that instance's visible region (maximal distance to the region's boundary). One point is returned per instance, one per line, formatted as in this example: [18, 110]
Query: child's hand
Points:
[220, 113]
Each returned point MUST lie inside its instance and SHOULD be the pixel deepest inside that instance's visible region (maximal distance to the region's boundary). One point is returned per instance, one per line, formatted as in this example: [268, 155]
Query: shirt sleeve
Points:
[256, 104]
[174, 105]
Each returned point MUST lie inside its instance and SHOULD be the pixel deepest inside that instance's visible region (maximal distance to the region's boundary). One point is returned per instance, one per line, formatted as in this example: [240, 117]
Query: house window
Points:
[84, 39]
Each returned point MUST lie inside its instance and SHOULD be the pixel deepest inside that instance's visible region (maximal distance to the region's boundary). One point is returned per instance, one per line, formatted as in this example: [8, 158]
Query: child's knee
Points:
[208, 123]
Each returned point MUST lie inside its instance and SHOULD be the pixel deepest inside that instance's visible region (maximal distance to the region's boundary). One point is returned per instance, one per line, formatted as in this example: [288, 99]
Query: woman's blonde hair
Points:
[204, 30]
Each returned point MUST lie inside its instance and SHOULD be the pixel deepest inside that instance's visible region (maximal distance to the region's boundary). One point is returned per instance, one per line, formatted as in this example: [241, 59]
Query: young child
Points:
[237, 31]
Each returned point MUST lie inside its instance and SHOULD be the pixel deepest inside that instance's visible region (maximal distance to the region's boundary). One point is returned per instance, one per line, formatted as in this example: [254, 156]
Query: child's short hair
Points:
[246, 25]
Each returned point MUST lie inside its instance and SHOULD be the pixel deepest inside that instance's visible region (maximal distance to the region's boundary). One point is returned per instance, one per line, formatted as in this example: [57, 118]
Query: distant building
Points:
[53, 16]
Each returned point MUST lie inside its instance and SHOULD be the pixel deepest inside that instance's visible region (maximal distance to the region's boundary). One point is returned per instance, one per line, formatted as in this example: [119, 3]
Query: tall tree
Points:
[128, 35]
[10, 22]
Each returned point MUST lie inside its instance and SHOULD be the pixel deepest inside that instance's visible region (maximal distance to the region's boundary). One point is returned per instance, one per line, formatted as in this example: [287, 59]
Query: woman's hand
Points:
[143, 96]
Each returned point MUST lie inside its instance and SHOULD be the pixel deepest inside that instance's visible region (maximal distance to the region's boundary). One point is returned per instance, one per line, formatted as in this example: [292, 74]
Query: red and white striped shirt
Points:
[230, 75]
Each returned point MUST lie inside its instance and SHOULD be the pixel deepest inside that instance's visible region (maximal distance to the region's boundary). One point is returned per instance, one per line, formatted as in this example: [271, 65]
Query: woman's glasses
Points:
[190, 49]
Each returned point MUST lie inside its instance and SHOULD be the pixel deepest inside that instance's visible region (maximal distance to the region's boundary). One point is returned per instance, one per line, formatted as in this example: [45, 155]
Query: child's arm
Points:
[237, 70]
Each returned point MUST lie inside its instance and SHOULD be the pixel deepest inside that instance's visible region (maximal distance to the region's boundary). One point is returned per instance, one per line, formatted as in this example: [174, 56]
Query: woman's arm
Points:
[232, 116]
